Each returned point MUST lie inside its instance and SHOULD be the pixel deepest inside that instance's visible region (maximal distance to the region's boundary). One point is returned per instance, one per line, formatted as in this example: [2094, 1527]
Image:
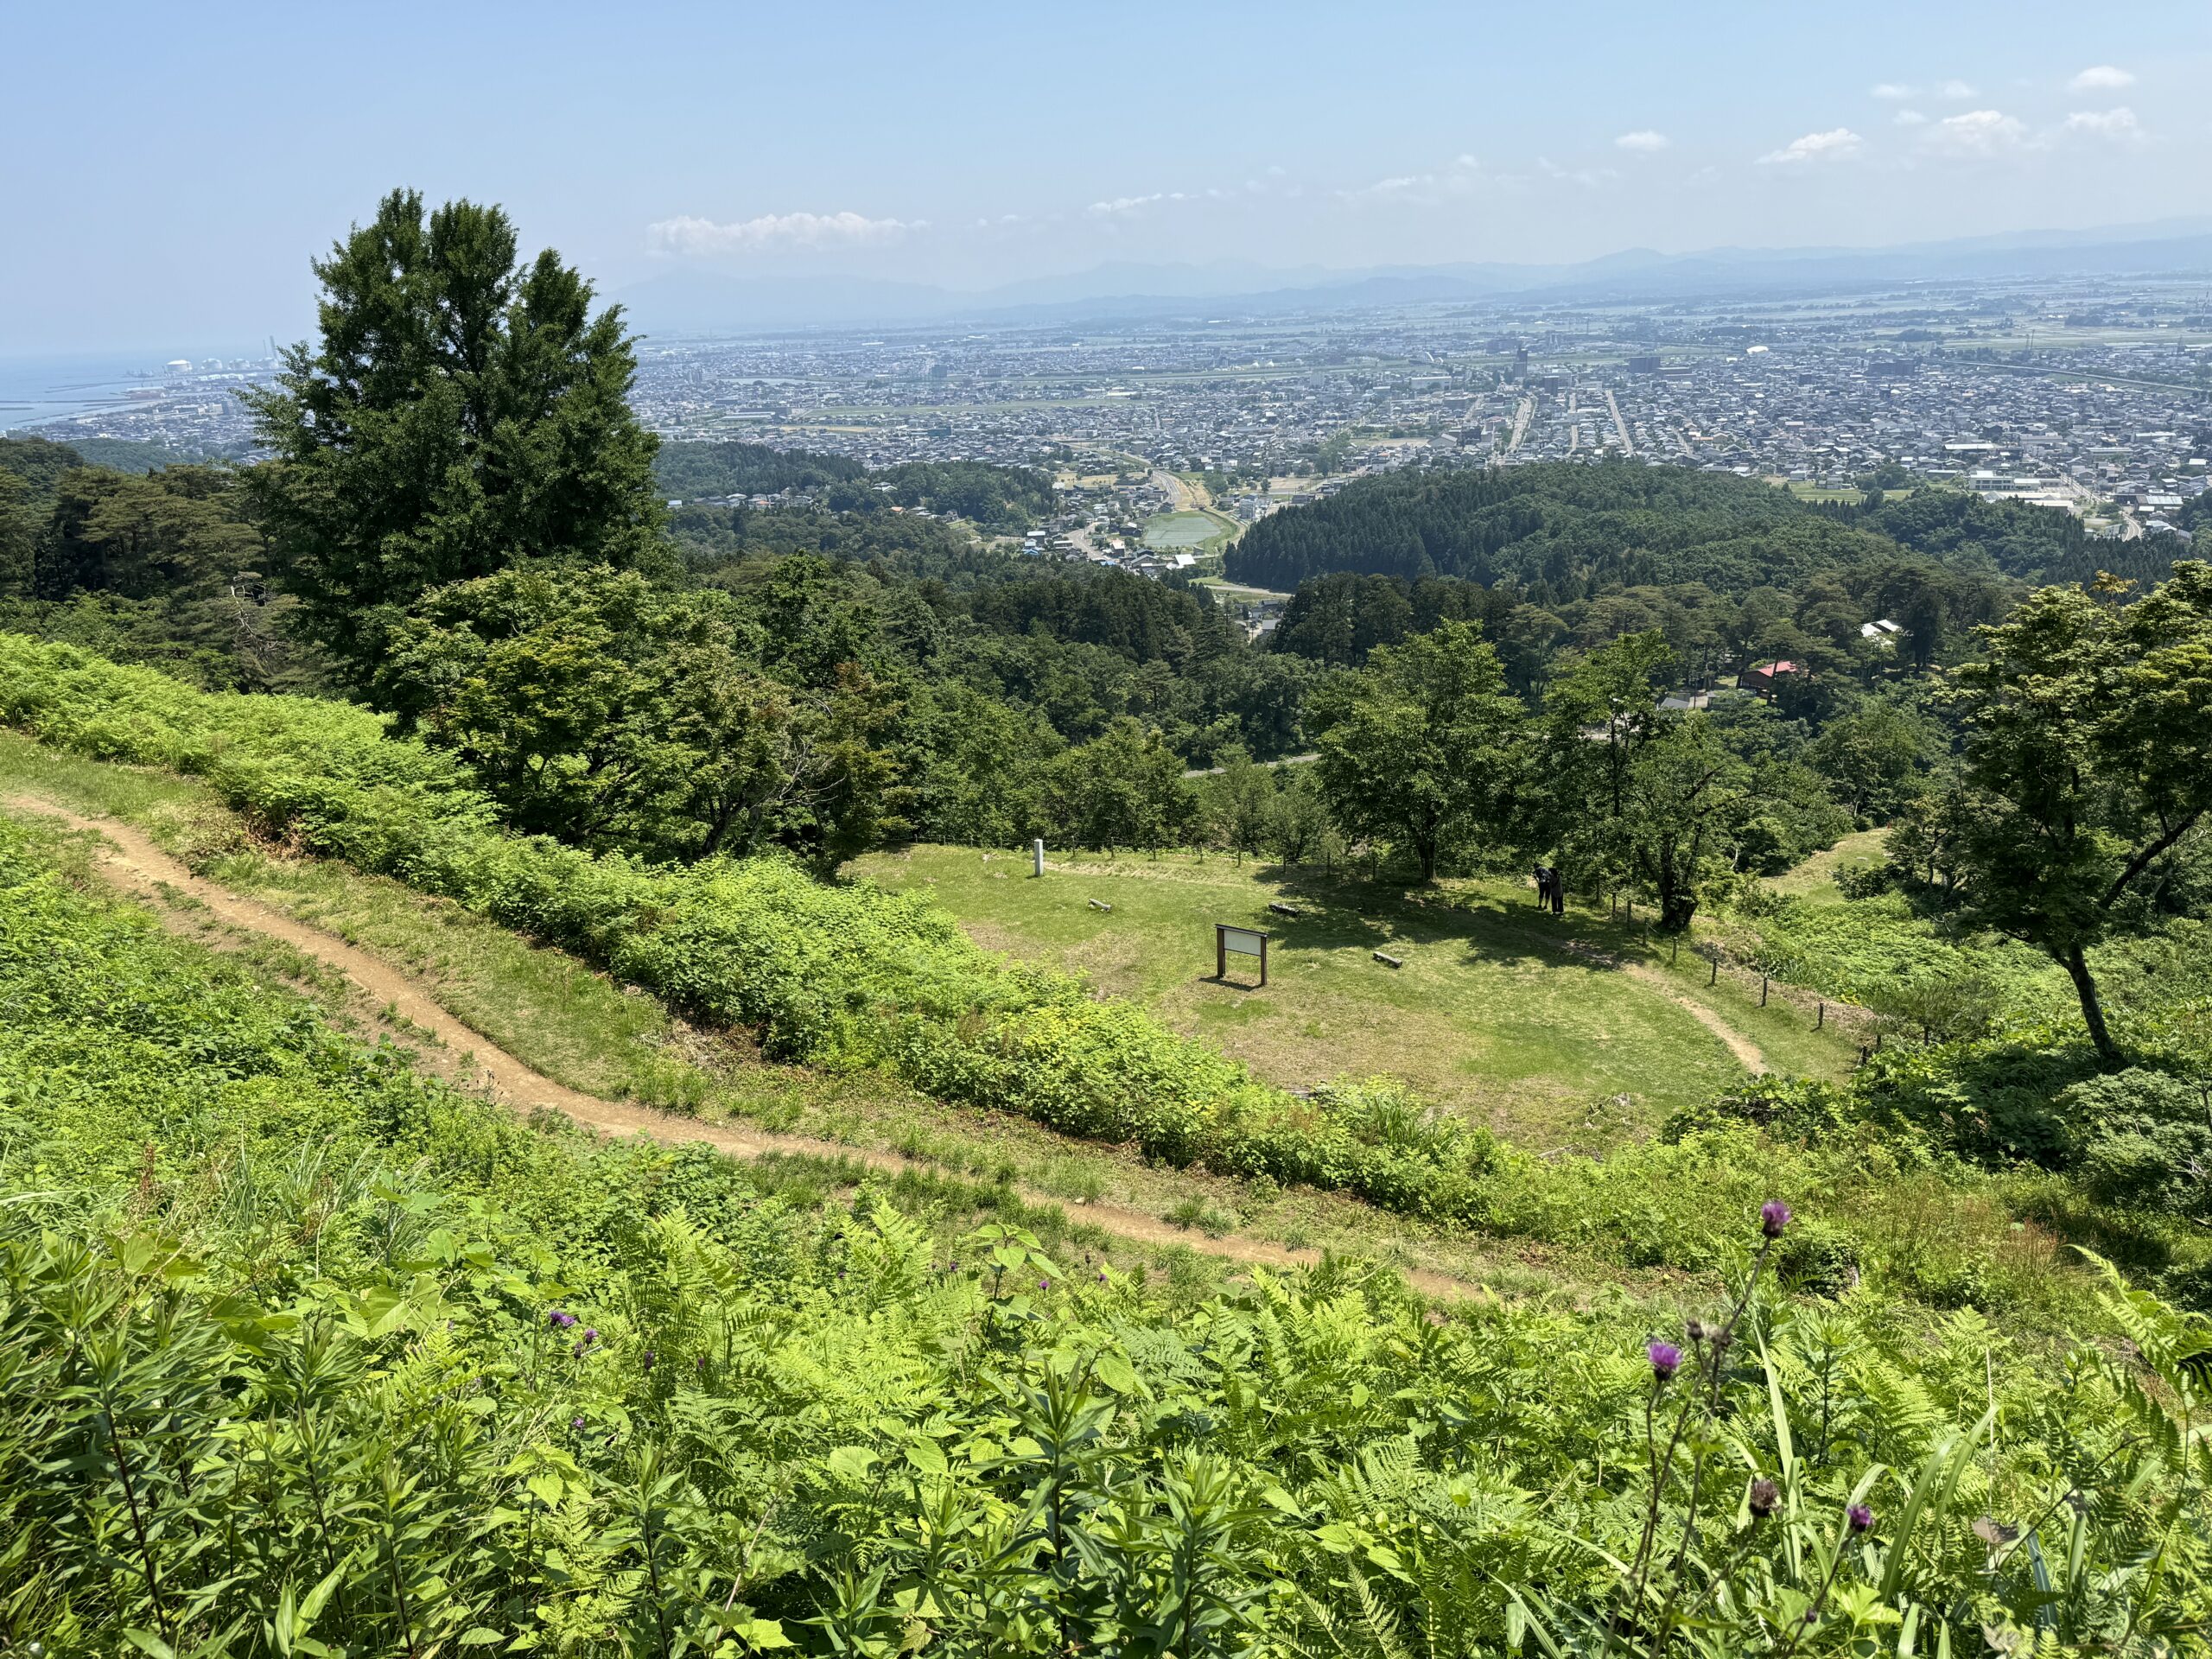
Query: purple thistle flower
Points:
[1044, 1284]
[1860, 1517]
[1666, 1359]
[1774, 1216]
[1765, 1495]
[576, 1352]
[646, 1363]
[559, 1320]
[590, 1336]
[576, 1423]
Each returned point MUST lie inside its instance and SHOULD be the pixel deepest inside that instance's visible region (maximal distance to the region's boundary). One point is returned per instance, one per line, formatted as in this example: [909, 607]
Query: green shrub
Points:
[831, 974]
[2144, 1137]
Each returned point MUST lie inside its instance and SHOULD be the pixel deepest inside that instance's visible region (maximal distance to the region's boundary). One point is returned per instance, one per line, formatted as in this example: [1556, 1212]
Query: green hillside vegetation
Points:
[825, 972]
[1814, 1188]
[689, 470]
[1563, 531]
[158, 564]
[346, 1363]
[845, 976]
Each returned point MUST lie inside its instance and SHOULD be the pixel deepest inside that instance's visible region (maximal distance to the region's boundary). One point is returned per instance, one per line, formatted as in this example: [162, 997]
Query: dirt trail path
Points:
[1747, 1051]
[130, 860]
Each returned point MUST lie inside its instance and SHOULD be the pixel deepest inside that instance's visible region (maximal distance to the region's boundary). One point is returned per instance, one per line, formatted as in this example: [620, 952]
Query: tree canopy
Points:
[1419, 748]
[2089, 749]
[461, 412]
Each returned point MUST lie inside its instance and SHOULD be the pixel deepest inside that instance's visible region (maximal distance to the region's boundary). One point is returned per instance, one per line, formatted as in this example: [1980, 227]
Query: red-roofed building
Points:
[1763, 678]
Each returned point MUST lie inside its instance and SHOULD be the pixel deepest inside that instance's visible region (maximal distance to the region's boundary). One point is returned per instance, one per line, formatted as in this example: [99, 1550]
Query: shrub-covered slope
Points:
[304, 1354]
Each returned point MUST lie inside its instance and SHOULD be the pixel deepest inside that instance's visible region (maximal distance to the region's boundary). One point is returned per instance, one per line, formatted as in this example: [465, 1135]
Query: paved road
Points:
[1180, 497]
[1628, 444]
[1287, 761]
[1521, 424]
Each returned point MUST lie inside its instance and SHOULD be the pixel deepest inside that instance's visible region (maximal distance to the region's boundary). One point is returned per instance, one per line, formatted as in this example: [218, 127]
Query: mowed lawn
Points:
[1489, 1014]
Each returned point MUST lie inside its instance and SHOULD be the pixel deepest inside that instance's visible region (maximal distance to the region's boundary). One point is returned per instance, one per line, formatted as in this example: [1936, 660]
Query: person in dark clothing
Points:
[1550, 889]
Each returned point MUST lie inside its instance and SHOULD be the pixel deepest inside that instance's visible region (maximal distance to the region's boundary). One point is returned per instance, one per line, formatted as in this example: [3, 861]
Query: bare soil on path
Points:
[129, 860]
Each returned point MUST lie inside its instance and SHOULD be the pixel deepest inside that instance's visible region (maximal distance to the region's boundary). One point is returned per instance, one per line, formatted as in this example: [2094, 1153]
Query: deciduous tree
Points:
[1419, 749]
[2088, 743]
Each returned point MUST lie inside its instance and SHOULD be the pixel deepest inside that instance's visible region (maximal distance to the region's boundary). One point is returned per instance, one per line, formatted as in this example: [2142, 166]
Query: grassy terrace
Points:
[1557, 1032]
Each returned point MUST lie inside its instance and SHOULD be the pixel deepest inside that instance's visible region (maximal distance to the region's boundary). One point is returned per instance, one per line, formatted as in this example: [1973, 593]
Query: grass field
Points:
[1186, 532]
[1557, 1032]
[1816, 877]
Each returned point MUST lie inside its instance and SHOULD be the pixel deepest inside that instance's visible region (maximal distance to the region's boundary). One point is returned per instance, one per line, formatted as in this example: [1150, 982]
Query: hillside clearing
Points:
[1555, 1032]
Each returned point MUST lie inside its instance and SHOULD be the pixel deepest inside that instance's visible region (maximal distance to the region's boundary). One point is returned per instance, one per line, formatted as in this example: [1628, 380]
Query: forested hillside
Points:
[1560, 532]
[689, 470]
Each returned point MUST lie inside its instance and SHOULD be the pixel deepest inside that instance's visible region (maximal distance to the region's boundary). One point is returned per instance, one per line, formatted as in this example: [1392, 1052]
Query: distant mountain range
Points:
[699, 301]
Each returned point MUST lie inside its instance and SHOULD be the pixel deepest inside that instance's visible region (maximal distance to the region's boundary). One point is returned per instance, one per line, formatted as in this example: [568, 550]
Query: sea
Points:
[37, 389]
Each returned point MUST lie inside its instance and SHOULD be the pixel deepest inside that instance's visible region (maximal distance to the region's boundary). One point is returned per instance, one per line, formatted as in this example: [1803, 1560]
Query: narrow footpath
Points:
[128, 860]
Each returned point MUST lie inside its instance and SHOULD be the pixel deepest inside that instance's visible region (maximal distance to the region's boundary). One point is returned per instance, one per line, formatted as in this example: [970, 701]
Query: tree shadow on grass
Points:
[1347, 910]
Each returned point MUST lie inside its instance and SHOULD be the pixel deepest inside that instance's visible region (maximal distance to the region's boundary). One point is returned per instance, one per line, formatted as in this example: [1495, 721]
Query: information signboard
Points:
[1244, 942]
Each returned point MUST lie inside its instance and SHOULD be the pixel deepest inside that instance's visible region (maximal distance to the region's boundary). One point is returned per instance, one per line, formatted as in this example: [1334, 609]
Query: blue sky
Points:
[171, 169]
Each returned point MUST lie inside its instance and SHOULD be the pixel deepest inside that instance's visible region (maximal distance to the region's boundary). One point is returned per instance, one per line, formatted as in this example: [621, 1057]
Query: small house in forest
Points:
[1764, 678]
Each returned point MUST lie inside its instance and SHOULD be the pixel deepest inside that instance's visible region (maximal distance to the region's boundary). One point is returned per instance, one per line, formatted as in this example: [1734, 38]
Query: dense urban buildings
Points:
[2093, 395]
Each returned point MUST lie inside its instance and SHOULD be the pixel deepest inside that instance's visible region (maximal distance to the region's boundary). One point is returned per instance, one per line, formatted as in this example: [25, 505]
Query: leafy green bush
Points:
[2144, 1138]
[1863, 948]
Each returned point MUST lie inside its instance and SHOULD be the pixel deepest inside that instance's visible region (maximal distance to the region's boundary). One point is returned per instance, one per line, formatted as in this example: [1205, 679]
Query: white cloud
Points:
[688, 233]
[1909, 119]
[1463, 174]
[1958, 91]
[1980, 132]
[1890, 92]
[1588, 177]
[2119, 125]
[1833, 145]
[1644, 139]
[2101, 78]
[1120, 205]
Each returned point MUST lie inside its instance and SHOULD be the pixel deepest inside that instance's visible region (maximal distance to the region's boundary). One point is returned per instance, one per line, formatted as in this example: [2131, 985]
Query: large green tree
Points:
[461, 412]
[18, 535]
[601, 709]
[1419, 749]
[1125, 789]
[1635, 795]
[2088, 744]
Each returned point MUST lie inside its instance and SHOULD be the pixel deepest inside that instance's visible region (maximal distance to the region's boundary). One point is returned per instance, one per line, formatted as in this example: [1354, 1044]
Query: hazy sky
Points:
[171, 169]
